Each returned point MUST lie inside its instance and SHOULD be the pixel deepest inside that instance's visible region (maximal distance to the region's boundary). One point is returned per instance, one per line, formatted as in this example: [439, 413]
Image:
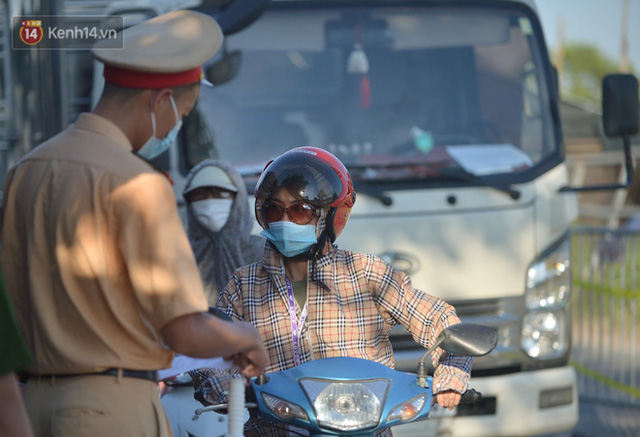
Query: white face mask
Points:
[212, 213]
[155, 146]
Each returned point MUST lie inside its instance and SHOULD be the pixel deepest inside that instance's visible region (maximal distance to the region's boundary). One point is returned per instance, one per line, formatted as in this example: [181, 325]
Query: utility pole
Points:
[559, 55]
[624, 43]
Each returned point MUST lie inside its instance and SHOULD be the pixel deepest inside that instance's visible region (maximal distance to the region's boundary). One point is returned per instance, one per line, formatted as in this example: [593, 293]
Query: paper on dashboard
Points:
[183, 363]
[483, 159]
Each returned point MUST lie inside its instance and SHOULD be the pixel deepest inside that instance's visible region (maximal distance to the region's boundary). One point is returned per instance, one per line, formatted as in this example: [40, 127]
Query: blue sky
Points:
[595, 22]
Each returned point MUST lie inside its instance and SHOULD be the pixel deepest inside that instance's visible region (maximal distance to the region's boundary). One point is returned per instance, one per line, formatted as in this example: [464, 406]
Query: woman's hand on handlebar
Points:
[448, 399]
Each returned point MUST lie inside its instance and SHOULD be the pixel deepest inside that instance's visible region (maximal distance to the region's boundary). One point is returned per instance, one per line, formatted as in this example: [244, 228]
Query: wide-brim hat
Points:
[165, 51]
[210, 176]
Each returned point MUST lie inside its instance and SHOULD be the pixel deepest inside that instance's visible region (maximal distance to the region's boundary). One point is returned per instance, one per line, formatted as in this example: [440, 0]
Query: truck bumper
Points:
[526, 404]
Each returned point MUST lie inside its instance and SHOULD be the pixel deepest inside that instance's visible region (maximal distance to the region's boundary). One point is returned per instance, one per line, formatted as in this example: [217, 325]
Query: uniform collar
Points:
[103, 126]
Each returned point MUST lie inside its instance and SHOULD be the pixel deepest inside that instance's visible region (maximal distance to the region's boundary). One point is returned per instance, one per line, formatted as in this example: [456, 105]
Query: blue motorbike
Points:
[345, 396]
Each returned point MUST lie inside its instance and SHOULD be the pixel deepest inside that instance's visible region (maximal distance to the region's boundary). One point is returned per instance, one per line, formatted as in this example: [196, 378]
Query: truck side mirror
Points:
[233, 15]
[620, 118]
[224, 69]
[620, 105]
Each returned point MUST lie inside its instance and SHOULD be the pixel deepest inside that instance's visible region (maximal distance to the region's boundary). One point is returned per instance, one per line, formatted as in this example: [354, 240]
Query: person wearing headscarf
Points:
[219, 223]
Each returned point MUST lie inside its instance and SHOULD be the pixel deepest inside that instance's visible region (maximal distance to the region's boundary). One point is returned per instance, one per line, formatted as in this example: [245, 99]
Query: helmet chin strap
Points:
[330, 229]
[327, 236]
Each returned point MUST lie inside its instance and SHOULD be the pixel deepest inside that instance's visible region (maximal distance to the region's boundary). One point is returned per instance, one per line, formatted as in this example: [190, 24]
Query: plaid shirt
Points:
[353, 302]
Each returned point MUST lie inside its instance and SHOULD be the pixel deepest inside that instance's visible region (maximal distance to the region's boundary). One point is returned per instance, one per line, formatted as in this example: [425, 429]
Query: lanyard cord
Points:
[294, 322]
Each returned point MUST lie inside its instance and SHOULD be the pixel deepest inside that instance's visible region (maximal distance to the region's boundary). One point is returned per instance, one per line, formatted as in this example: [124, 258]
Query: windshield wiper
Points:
[463, 175]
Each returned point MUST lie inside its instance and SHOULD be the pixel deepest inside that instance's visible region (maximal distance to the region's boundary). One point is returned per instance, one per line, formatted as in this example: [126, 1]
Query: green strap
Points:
[605, 379]
[603, 289]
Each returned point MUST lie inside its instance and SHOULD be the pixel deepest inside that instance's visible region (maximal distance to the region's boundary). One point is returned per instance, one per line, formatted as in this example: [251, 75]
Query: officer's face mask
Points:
[212, 213]
[289, 238]
[155, 146]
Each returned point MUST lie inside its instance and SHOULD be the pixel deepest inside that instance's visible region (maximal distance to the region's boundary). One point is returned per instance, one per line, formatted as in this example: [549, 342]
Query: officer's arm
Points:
[201, 335]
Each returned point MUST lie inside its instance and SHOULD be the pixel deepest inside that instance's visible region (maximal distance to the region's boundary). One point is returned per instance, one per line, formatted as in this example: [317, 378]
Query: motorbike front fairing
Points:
[367, 396]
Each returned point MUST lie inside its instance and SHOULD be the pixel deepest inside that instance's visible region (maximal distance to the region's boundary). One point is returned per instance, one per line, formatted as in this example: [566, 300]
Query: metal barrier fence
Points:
[606, 317]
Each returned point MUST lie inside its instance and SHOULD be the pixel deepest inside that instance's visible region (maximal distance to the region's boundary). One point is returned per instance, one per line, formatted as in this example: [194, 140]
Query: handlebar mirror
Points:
[465, 339]
[468, 339]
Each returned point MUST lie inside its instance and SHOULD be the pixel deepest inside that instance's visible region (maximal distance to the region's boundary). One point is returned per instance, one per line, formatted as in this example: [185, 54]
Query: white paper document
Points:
[483, 159]
[183, 363]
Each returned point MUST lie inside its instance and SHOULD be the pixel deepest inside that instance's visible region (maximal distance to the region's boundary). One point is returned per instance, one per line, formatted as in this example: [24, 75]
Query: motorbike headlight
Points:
[346, 405]
[544, 334]
[285, 410]
[549, 279]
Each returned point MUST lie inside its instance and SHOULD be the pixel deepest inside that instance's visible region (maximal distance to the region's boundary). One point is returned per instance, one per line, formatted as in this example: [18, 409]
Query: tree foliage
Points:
[584, 67]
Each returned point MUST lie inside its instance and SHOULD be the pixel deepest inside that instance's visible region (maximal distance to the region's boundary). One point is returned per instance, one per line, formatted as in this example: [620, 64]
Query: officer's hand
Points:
[249, 364]
[254, 360]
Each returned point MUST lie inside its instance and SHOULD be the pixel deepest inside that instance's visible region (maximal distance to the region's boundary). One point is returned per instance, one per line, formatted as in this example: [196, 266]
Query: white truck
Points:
[446, 114]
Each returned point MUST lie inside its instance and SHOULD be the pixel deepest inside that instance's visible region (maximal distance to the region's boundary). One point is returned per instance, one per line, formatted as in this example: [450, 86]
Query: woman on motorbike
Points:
[310, 300]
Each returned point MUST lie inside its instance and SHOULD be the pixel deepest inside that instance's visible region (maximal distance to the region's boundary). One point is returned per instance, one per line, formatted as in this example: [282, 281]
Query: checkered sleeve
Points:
[212, 385]
[453, 373]
[230, 298]
[425, 316]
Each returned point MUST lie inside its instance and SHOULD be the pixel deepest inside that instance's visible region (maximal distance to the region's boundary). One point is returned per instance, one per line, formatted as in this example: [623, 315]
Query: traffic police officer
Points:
[96, 261]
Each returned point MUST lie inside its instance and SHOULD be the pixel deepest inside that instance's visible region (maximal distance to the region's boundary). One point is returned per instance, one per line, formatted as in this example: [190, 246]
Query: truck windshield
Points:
[398, 93]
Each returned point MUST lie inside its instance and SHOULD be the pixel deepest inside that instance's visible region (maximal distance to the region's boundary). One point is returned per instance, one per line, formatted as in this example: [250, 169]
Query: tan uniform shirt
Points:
[95, 257]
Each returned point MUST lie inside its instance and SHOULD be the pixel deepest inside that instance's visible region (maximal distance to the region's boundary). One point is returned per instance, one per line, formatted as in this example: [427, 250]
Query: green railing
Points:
[606, 319]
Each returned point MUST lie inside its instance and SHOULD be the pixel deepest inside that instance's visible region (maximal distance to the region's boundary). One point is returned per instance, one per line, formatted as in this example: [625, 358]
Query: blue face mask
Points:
[290, 239]
[155, 146]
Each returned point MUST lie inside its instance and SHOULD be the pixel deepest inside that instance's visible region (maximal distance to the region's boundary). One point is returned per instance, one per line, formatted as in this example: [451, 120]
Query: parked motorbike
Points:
[349, 396]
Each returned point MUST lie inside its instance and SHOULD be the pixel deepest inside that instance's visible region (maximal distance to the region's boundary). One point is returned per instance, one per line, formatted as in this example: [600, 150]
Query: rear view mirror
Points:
[468, 339]
[620, 118]
[464, 339]
[620, 105]
[225, 69]
[235, 15]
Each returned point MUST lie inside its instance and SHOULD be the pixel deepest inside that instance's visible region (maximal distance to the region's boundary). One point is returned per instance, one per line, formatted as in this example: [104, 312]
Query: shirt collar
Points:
[103, 126]
[273, 263]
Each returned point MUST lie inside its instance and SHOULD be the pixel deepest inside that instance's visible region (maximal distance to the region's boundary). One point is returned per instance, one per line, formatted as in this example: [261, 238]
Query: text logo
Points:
[66, 32]
[31, 31]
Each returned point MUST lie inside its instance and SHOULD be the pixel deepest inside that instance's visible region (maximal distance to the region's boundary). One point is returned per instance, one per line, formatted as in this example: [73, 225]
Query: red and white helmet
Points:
[315, 176]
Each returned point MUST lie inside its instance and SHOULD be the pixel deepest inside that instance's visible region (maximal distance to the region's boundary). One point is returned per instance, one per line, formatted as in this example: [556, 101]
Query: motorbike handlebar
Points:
[471, 396]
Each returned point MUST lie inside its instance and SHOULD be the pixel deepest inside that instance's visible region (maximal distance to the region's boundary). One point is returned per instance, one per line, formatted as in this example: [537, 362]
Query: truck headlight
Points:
[549, 279]
[545, 326]
[346, 406]
[544, 334]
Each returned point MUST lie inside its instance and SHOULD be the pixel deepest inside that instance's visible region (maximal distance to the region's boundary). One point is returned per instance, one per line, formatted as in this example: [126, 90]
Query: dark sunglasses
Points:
[299, 213]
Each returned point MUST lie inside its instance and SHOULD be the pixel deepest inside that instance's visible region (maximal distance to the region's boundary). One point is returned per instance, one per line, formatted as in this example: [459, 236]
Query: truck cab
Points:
[446, 115]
